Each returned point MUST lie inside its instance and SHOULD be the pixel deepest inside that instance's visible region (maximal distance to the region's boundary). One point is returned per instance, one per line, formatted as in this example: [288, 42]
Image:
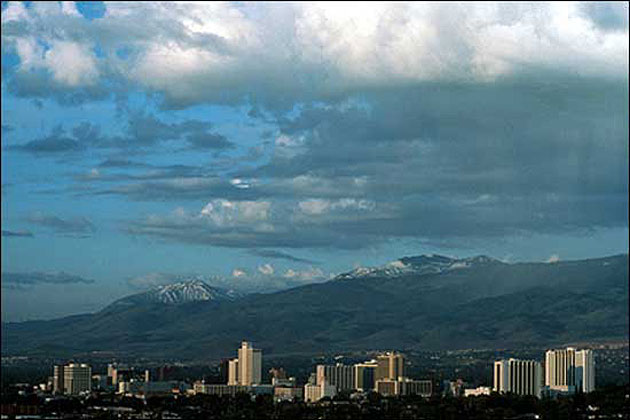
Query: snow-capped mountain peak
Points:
[418, 265]
[186, 291]
[189, 291]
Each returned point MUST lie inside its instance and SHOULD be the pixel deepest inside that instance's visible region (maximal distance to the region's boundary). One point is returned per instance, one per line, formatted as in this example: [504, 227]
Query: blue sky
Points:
[262, 146]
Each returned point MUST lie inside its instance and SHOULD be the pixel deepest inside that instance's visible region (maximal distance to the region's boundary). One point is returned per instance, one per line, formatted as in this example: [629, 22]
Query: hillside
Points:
[484, 303]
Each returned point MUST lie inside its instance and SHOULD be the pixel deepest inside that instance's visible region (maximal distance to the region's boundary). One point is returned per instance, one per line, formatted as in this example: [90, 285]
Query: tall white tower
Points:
[249, 364]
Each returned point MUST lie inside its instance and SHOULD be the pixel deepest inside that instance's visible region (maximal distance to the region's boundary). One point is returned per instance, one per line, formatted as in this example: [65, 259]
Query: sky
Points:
[259, 146]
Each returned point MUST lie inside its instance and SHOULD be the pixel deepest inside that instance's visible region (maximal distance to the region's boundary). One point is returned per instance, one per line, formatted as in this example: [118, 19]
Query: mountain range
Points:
[421, 302]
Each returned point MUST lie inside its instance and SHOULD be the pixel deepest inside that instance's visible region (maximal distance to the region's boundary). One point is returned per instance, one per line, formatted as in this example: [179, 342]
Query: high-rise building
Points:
[233, 372]
[249, 365]
[522, 377]
[391, 366]
[339, 375]
[119, 373]
[77, 378]
[58, 379]
[224, 370]
[585, 370]
[570, 370]
[364, 374]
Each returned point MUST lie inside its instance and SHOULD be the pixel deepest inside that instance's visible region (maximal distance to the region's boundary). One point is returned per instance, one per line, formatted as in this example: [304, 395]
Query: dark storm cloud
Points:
[40, 84]
[437, 161]
[280, 255]
[56, 142]
[176, 188]
[142, 132]
[206, 140]
[17, 234]
[121, 163]
[75, 226]
[21, 280]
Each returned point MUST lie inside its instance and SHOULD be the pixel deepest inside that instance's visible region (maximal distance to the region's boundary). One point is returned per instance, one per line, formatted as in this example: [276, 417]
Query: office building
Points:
[282, 393]
[313, 393]
[119, 373]
[404, 386]
[218, 389]
[522, 377]
[364, 374]
[339, 375]
[475, 392]
[424, 388]
[58, 378]
[249, 365]
[584, 371]
[77, 378]
[569, 370]
[390, 366]
[233, 372]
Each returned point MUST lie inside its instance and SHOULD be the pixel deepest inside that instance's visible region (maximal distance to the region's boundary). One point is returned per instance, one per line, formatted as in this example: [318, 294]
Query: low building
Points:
[482, 390]
[282, 393]
[219, 389]
[387, 387]
[424, 388]
[314, 393]
[404, 386]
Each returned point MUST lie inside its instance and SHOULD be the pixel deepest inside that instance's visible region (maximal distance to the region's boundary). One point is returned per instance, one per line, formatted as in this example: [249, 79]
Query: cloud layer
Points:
[230, 52]
[432, 122]
[21, 280]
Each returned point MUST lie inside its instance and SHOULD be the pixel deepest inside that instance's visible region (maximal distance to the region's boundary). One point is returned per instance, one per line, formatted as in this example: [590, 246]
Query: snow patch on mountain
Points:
[419, 265]
[179, 293]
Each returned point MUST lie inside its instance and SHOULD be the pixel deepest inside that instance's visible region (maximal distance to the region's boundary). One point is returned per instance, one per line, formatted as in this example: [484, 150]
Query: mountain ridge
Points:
[486, 305]
[177, 293]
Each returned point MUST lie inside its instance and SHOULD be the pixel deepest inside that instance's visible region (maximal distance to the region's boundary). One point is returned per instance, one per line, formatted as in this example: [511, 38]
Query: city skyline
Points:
[271, 145]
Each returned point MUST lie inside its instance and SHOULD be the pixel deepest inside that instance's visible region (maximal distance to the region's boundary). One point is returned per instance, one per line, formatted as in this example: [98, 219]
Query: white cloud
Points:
[266, 269]
[225, 51]
[72, 64]
[317, 206]
[307, 276]
[314, 206]
[553, 259]
[230, 213]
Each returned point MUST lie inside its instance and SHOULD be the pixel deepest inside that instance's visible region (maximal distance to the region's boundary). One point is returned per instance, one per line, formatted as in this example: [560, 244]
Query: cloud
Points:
[553, 259]
[609, 16]
[249, 224]
[75, 226]
[275, 56]
[403, 121]
[264, 253]
[55, 142]
[17, 234]
[260, 281]
[141, 133]
[21, 280]
[266, 269]
[306, 276]
[207, 140]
